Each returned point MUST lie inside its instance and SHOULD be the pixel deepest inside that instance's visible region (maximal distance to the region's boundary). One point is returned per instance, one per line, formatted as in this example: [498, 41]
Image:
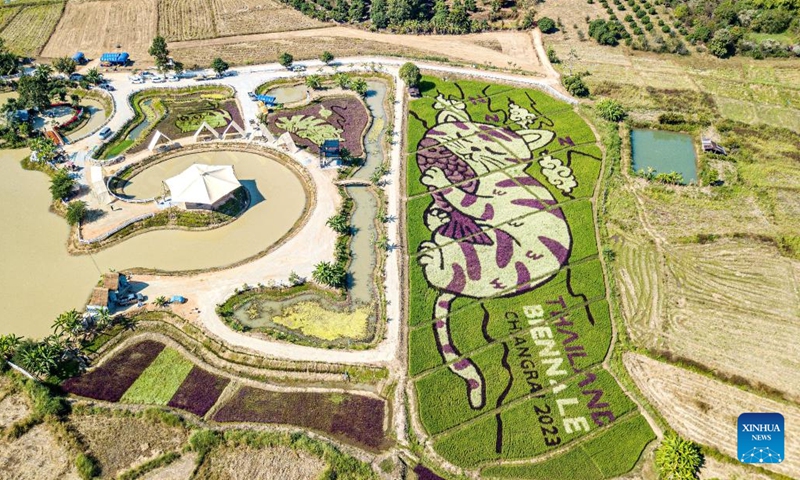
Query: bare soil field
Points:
[35, 456]
[131, 24]
[13, 408]
[121, 442]
[241, 17]
[180, 469]
[185, 19]
[244, 463]
[517, 49]
[29, 30]
[705, 410]
[715, 469]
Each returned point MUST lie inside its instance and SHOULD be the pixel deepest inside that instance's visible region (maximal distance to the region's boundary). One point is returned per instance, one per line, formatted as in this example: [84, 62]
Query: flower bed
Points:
[199, 392]
[112, 379]
[342, 118]
[354, 419]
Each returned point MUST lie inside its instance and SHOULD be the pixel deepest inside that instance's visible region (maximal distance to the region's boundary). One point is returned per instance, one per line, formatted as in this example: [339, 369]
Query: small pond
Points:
[664, 152]
[292, 94]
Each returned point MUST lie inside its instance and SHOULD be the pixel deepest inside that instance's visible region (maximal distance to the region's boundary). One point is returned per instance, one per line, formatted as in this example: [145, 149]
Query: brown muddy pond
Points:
[39, 279]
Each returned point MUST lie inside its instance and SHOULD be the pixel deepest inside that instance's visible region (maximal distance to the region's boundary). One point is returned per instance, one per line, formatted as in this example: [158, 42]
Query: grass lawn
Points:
[159, 382]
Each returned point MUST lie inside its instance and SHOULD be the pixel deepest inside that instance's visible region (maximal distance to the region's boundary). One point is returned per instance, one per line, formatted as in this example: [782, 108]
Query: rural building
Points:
[114, 59]
[203, 186]
[712, 146]
[413, 92]
[99, 300]
[329, 152]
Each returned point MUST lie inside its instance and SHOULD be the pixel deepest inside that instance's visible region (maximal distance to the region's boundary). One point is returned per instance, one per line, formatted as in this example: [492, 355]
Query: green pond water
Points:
[664, 152]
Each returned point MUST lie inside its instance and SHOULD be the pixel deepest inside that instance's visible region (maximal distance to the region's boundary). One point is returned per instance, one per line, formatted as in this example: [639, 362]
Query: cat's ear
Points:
[536, 139]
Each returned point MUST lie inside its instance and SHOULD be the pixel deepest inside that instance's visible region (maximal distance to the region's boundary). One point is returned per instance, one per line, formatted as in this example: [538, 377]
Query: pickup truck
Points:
[130, 299]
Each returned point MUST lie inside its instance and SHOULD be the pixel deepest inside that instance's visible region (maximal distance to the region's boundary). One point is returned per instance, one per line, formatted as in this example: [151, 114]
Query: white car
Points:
[158, 79]
[137, 80]
[172, 78]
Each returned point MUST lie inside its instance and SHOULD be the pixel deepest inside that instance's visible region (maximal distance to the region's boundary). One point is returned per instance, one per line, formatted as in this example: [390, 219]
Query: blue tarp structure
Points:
[330, 148]
[79, 58]
[177, 299]
[267, 99]
[114, 58]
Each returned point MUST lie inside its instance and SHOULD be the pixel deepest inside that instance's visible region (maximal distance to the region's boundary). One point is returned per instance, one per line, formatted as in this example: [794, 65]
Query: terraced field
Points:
[28, 31]
[705, 410]
[508, 319]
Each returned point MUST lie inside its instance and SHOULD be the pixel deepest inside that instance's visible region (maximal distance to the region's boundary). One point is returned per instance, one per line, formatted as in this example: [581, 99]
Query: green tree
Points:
[34, 92]
[93, 76]
[678, 459]
[219, 66]
[43, 71]
[459, 18]
[575, 85]
[330, 274]
[65, 65]
[159, 51]
[378, 15]
[314, 82]
[67, 324]
[9, 63]
[326, 57]
[61, 184]
[341, 11]
[546, 25]
[441, 16]
[44, 147]
[605, 33]
[610, 110]
[410, 74]
[399, 11]
[285, 59]
[359, 85]
[471, 5]
[552, 56]
[339, 223]
[8, 346]
[343, 80]
[358, 10]
[76, 212]
[723, 44]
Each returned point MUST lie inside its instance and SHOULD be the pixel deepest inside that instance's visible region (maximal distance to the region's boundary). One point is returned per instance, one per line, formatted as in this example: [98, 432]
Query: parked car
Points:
[137, 79]
[148, 74]
[158, 79]
[107, 87]
[130, 299]
[105, 133]
[297, 68]
[171, 77]
[76, 77]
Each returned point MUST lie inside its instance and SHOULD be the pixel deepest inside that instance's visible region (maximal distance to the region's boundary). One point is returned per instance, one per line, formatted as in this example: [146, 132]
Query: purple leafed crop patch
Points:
[110, 381]
[198, 392]
[354, 419]
[424, 473]
[346, 114]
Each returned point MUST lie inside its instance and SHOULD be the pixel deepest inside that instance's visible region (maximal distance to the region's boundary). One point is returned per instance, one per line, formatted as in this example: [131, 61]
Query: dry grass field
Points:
[240, 17]
[705, 410]
[119, 442]
[94, 27]
[245, 463]
[28, 31]
[185, 19]
[35, 456]
[180, 469]
[7, 14]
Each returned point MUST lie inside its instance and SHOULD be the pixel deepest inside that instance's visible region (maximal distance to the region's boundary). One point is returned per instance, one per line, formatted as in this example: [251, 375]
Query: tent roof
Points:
[204, 184]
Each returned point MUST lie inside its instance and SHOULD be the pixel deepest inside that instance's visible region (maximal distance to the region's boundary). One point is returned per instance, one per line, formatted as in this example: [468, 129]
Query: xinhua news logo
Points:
[761, 438]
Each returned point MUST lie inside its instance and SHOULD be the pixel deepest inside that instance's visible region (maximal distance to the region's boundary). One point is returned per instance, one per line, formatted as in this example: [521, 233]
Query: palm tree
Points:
[104, 318]
[342, 80]
[67, 323]
[314, 82]
[161, 301]
[339, 223]
[677, 458]
[43, 71]
[331, 274]
[93, 76]
[8, 345]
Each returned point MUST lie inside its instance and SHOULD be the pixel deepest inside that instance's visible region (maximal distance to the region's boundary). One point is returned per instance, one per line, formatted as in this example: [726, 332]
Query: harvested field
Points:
[120, 442]
[718, 303]
[180, 469]
[13, 408]
[239, 17]
[132, 24]
[185, 19]
[110, 381]
[352, 418]
[705, 410]
[35, 456]
[714, 469]
[29, 30]
[199, 392]
[245, 463]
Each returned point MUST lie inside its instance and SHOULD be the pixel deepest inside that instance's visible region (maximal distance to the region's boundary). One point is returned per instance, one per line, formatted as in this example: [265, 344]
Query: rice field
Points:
[28, 31]
[185, 19]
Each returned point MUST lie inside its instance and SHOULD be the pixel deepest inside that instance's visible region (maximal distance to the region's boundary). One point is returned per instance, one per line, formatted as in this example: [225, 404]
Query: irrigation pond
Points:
[664, 152]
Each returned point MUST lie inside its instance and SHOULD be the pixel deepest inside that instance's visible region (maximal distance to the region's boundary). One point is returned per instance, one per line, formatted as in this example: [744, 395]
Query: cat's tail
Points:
[464, 368]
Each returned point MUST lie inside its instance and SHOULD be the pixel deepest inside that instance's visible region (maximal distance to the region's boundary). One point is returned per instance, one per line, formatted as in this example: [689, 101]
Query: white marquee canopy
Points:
[200, 183]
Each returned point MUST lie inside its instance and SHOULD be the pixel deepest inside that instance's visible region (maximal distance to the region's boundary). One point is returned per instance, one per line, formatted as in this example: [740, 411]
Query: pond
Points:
[292, 94]
[664, 152]
[39, 279]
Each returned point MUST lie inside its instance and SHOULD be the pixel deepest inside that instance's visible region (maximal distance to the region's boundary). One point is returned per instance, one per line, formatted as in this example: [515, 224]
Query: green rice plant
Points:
[159, 382]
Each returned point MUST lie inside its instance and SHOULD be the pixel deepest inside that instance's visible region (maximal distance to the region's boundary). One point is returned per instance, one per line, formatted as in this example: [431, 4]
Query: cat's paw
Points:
[435, 218]
[434, 177]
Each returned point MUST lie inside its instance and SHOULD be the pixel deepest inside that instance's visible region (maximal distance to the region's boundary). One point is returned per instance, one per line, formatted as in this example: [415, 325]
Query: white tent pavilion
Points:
[202, 185]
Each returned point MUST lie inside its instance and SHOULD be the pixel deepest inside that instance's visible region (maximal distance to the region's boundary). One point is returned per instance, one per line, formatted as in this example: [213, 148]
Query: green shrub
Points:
[575, 85]
[87, 467]
[551, 55]
[546, 25]
[203, 441]
[610, 110]
[678, 459]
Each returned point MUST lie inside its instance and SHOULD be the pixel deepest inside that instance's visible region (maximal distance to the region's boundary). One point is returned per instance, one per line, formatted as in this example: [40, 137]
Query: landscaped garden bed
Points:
[343, 118]
[354, 419]
[509, 323]
[198, 392]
